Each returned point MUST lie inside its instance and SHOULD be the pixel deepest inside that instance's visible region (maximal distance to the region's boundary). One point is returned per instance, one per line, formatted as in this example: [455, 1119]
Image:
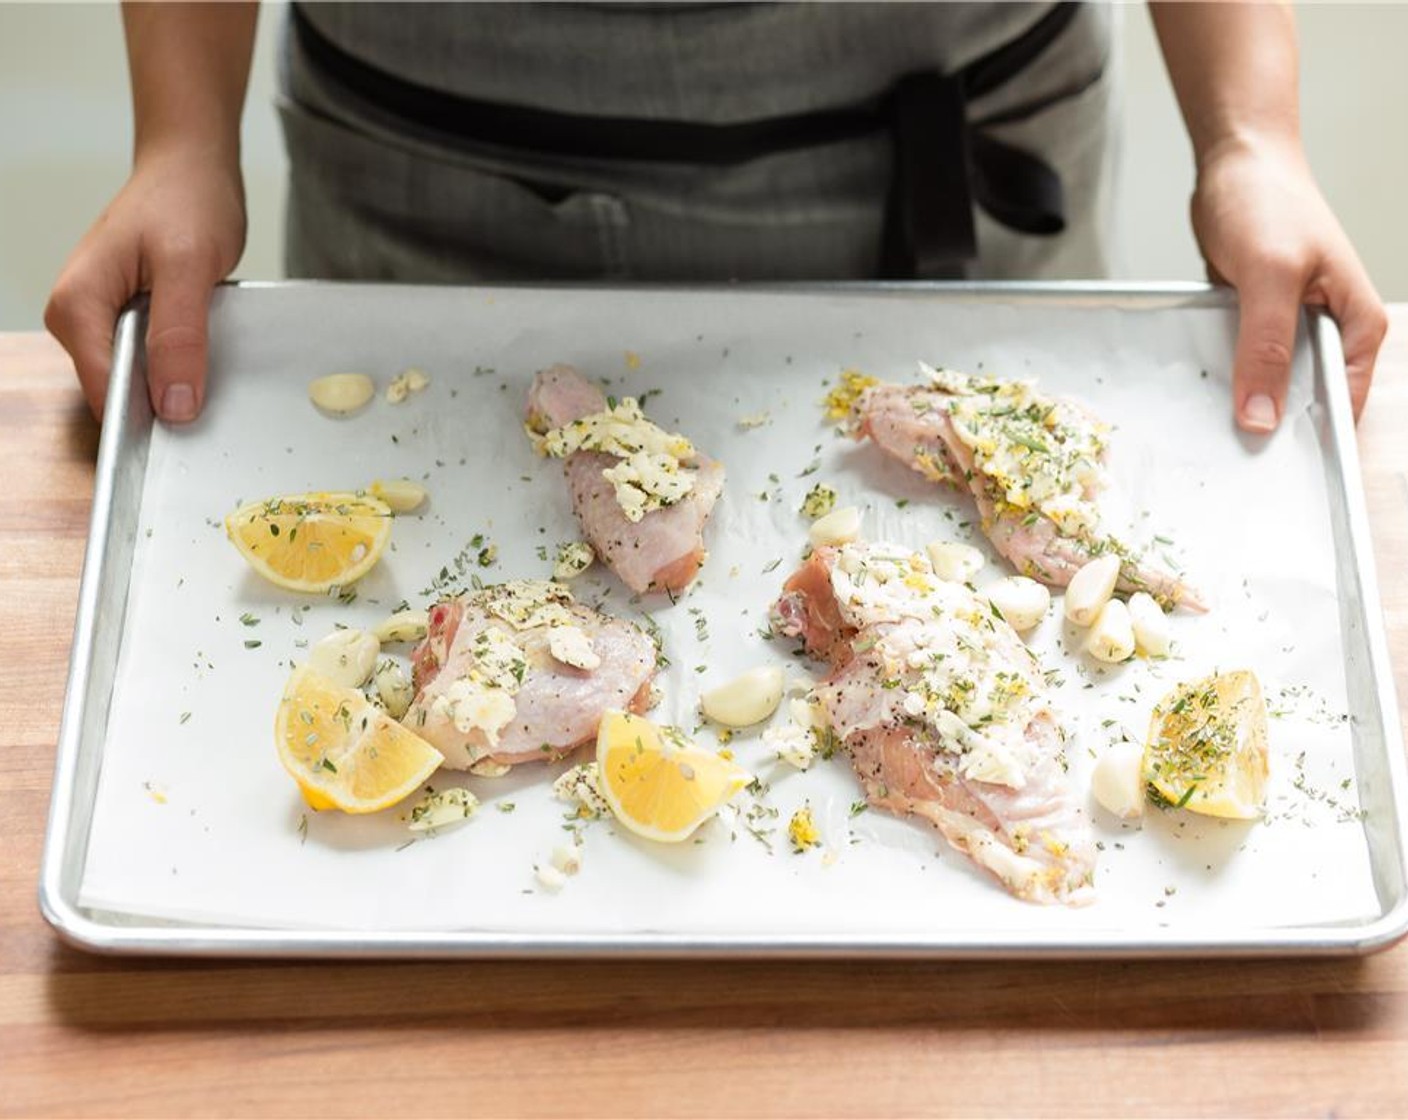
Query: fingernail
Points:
[178, 403]
[1259, 414]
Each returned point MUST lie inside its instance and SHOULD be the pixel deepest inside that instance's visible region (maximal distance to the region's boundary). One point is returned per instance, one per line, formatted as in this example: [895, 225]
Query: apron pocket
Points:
[365, 207]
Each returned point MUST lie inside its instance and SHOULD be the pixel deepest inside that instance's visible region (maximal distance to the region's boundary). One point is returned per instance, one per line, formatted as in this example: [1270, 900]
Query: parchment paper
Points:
[195, 819]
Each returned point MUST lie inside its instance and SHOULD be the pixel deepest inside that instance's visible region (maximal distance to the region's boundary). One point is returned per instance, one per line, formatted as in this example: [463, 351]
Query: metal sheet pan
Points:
[109, 587]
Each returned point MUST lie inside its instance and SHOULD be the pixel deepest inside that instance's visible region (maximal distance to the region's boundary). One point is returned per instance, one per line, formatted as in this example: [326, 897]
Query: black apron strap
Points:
[929, 219]
[944, 163]
[571, 134]
[1016, 188]
[985, 74]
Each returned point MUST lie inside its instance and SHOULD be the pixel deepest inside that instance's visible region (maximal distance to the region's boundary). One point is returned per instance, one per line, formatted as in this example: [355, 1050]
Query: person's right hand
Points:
[176, 229]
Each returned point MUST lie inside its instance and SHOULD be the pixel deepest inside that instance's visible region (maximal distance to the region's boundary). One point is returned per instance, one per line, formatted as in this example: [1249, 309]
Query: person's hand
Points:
[175, 229]
[1264, 228]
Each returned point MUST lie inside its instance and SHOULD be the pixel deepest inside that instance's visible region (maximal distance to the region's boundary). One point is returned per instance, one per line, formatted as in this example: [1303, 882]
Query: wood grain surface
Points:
[85, 1035]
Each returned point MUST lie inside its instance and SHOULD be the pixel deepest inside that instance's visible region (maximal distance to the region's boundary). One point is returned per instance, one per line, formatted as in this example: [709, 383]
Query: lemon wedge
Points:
[1207, 748]
[312, 542]
[345, 752]
[657, 783]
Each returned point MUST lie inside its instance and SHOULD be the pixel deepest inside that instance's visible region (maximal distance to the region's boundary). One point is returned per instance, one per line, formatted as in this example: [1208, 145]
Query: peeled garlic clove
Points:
[416, 379]
[567, 858]
[398, 390]
[1117, 782]
[401, 494]
[403, 626]
[745, 700]
[840, 526]
[954, 562]
[1091, 587]
[341, 392]
[1151, 629]
[345, 657]
[550, 877]
[394, 688]
[1021, 601]
[1111, 639]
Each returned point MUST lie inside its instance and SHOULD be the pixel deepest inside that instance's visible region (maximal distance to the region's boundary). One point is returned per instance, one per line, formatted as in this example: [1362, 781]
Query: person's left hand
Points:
[1264, 228]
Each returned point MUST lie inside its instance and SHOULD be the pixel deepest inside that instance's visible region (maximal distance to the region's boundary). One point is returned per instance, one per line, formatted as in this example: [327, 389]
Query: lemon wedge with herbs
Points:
[659, 784]
[345, 752]
[1207, 748]
[312, 542]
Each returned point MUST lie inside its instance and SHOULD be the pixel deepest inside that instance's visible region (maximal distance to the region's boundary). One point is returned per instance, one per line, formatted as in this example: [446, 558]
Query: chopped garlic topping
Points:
[573, 559]
[794, 744]
[499, 661]
[1040, 454]
[472, 706]
[946, 662]
[620, 430]
[990, 759]
[442, 808]
[405, 383]
[526, 603]
[652, 473]
[571, 646]
[483, 698]
[581, 786]
[820, 500]
[645, 482]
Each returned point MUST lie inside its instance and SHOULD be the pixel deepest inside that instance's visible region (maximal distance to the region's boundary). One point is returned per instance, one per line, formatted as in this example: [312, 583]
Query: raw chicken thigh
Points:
[1032, 463]
[520, 671]
[642, 494]
[943, 712]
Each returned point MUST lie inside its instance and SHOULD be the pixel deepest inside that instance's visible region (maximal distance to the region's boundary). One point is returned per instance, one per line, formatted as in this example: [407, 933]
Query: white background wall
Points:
[65, 138]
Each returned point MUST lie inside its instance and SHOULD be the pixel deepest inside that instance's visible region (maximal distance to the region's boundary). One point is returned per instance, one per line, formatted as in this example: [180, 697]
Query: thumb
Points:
[1266, 336]
[81, 314]
[1363, 324]
[177, 333]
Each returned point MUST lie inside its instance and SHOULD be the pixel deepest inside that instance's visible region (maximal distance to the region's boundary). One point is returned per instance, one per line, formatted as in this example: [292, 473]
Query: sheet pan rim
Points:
[81, 929]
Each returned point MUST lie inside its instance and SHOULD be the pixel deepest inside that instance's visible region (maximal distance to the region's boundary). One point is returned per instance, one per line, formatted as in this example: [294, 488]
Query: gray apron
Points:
[376, 193]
